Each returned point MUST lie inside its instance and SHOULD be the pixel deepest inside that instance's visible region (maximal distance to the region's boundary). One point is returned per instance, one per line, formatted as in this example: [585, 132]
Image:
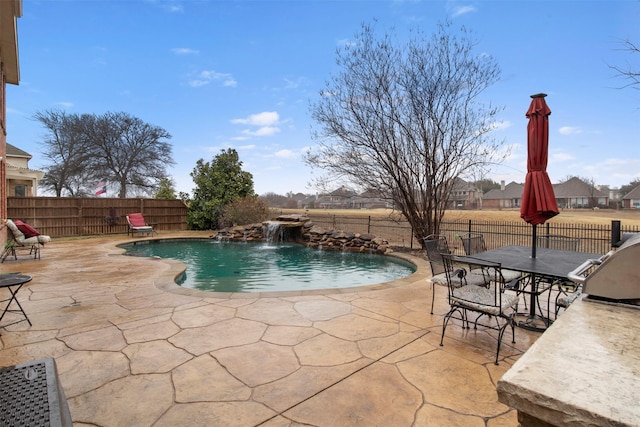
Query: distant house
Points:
[464, 195]
[370, 199]
[632, 199]
[337, 199]
[506, 197]
[575, 193]
[21, 181]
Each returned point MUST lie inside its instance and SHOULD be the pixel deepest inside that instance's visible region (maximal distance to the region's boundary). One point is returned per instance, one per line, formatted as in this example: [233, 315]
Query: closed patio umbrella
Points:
[538, 199]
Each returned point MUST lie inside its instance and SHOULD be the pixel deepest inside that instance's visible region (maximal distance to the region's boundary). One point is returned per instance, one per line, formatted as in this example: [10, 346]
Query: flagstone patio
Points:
[132, 348]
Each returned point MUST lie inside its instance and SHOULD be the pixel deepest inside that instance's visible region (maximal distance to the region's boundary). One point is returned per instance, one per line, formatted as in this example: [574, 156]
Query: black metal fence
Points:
[594, 238]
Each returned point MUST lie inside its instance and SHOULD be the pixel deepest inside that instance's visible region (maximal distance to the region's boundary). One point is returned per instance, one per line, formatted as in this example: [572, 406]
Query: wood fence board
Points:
[74, 216]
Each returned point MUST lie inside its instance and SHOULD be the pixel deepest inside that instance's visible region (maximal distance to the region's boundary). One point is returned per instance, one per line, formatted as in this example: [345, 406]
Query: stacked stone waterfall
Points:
[300, 229]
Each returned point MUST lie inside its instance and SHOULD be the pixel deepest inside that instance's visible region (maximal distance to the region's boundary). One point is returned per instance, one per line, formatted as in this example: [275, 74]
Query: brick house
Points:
[506, 197]
[632, 199]
[21, 181]
[10, 11]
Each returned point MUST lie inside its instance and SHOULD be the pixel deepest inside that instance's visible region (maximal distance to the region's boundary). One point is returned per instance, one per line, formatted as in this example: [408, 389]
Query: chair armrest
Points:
[514, 284]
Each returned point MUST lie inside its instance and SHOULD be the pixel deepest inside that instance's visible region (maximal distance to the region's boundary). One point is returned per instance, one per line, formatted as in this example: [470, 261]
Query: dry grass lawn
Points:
[571, 216]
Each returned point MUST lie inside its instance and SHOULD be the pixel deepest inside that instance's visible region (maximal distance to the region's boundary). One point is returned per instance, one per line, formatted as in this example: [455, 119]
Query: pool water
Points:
[257, 267]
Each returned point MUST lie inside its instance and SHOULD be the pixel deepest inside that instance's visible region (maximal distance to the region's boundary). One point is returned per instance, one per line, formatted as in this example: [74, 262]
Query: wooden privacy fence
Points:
[593, 238]
[71, 216]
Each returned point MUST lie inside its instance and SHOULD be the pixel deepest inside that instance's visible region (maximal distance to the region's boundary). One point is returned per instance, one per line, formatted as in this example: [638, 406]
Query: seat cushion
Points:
[137, 220]
[482, 299]
[476, 279]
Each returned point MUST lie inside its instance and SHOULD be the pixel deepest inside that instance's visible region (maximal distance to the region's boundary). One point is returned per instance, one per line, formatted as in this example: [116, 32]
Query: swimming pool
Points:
[258, 267]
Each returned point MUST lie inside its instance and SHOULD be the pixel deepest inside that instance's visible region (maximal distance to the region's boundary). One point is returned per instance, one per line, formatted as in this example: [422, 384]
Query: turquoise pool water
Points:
[257, 267]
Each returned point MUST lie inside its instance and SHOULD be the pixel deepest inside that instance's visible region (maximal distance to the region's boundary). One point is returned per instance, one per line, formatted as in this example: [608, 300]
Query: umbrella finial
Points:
[539, 95]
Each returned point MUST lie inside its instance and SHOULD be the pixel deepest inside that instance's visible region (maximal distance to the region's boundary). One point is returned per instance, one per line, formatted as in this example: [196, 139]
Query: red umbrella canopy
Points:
[538, 199]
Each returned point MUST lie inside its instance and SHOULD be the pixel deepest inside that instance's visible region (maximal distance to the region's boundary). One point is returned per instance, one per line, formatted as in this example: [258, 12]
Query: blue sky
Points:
[241, 74]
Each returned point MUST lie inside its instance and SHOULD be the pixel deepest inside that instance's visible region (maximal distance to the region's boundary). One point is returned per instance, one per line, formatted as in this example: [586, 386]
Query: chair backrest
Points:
[136, 220]
[457, 269]
[563, 243]
[435, 246]
[17, 235]
[473, 243]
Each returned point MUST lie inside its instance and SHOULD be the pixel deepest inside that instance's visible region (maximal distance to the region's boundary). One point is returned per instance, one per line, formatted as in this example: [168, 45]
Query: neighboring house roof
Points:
[460, 184]
[633, 194]
[343, 192]
[512, 190]
[575, 187]
[14, 151]
[18, 164]
[10, 11]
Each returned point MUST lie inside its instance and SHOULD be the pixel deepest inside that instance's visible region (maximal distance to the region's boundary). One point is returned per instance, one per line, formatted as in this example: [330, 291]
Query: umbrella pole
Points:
[534, 241]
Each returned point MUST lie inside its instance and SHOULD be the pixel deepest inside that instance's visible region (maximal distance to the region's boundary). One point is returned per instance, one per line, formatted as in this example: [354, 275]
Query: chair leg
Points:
[445, 322]
[500, 335]
[433, 295]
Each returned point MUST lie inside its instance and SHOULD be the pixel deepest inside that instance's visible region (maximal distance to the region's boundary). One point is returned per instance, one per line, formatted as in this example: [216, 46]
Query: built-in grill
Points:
[614, 277]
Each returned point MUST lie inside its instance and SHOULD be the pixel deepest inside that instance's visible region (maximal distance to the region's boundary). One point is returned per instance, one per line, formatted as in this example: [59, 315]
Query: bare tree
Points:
[628, 72]
[408, 120]
[69, 151]
[122, 150]
[133, 153]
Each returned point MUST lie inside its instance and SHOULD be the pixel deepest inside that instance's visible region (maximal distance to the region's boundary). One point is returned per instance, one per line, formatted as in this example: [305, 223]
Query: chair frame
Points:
[488, 301]
[435, 245]
[557, 241]
[13, 244]
[567, 290]
[473, 243]
[146, 229]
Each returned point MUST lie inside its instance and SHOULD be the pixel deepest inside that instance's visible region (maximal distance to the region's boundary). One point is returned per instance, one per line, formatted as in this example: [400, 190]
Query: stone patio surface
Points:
[134, 349]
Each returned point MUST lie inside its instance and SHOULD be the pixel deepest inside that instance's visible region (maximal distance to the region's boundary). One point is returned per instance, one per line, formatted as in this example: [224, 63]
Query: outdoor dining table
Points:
[548, 265]
[13, 282]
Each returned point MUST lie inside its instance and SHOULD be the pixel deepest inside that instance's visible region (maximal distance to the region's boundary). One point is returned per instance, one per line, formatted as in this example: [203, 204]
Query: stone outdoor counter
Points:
[583, 371]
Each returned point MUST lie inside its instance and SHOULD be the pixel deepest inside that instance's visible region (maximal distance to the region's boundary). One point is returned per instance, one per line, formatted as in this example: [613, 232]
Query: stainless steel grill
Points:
[614, 277]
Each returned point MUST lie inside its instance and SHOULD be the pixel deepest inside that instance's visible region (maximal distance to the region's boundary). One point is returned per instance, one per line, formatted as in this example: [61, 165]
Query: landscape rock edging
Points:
[300, 229]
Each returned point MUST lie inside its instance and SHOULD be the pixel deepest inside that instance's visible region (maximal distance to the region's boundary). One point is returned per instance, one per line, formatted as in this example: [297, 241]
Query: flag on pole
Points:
[101, 188]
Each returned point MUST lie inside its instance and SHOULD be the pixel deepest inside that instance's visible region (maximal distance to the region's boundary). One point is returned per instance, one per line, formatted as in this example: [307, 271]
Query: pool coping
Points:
[177, 268]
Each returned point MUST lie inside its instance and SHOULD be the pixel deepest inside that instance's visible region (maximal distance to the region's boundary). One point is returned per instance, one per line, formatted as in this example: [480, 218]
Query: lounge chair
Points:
[137, 224]
[22, 235]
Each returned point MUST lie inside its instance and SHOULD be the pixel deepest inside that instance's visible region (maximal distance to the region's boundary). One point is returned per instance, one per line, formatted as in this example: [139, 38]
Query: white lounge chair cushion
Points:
[19, 236]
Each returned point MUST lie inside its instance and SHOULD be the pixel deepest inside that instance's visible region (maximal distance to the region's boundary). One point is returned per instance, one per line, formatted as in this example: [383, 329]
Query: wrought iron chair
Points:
[566, 291]
[563, 243]
[488, 301]
[435, 246]
[474, 243]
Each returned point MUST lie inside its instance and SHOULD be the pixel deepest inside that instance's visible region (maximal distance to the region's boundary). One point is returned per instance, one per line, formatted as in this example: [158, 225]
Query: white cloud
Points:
[265, 118]
[65, 104]
[262, 131]
[184, 51]
[171, 6]
[561, 157]
[207, 76]
[569, 130]
[266, 123]
[285, 154]
[346, 43]
[462, 10]
[501, 125]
